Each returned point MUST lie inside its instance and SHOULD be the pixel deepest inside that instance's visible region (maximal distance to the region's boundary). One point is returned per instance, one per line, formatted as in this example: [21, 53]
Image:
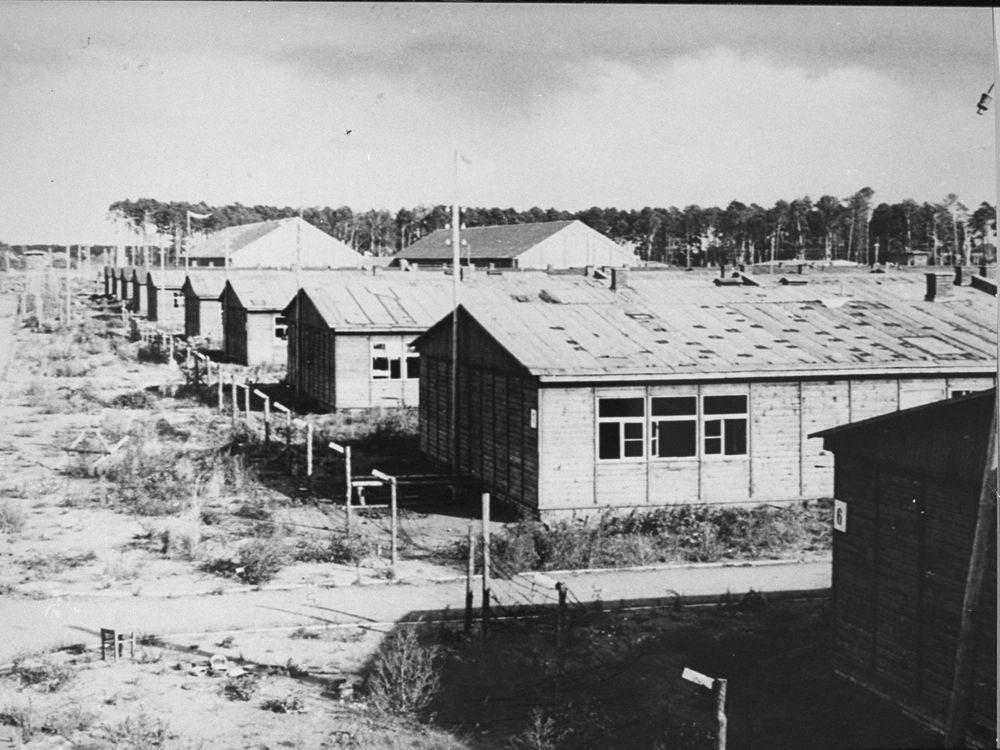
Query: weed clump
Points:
[261, 559]
[12, 517]
[242, 688]
[42, 672]
[688, 533]
[405, 676]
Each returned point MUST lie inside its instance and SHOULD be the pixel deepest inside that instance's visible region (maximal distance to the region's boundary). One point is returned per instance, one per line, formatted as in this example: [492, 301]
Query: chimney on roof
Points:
[618, 278]
[937, 285]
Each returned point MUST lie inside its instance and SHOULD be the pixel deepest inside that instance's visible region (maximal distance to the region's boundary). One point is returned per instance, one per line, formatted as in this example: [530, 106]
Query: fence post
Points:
[347, 489]
[220, 387]
[719, 690]
[469, 573]
[267, 416]
[246, 400]
[561, 615]
[309, 450]
[486, 564]
[393, 526]
[235, 400]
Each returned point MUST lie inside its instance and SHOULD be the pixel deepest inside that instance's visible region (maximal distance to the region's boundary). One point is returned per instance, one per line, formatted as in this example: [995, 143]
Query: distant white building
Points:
[281, 243]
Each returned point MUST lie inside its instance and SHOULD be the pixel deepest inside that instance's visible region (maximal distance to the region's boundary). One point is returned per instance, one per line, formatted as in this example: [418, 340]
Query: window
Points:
[958, 393]
[675, 426]
[724, 420]
[280, 328]
[621, 428]
[388, 362]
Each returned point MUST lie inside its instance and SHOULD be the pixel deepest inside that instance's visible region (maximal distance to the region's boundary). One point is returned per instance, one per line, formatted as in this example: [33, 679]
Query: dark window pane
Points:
[620, 407]
[677, 439]
[713, 428]
[736, 437]
[608, 443]
[713, 446]
[725, 404]
[380, 364]
[633, 448]
[394, 368]
[413, 367]
[674, 406]
[633, 430]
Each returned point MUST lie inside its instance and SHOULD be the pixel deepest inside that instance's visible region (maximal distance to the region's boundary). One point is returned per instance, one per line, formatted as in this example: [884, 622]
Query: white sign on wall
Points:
[840, 515]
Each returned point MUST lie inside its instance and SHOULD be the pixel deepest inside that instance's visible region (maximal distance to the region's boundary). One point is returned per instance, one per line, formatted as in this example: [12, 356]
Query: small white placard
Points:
[840, 515]
[534, 419]
[698, 678]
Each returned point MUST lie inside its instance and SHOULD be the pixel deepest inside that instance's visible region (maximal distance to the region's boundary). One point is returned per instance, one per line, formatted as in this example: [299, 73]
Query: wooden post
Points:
[246, 400]
[235, 399]
[719, 691]
[267, 416]
[347, 488]
[220, 387]
[469, 573]
[561, 614]
[68, 286]
[309, 449]
[170, 345]
[486, 564]
[959, 705]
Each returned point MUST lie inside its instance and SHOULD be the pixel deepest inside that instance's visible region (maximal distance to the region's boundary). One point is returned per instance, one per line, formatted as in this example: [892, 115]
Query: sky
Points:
[552, 105]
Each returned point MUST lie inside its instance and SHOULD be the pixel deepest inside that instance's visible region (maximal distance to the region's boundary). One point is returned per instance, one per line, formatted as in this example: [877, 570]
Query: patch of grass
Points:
[261, 559]
[339, 548]
[43, 672]
[242, 688]
[133, 400]
[688, 533]
[47, 566]
[124, 568]
[12, 517]
[306, 635]
[405, 675]
[141, 731]
[290, 704]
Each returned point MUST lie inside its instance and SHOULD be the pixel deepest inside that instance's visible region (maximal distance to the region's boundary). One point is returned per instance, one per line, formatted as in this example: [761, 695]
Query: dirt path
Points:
[27, 624]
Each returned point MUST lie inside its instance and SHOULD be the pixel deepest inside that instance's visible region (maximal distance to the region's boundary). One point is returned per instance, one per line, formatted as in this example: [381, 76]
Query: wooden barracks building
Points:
[908, 500]
[673, 391]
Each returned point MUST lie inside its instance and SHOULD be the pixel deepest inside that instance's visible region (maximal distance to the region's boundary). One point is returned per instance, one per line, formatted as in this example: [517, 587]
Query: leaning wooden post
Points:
[719, 691]
[469, 573]
[486, 564]
[347, 488]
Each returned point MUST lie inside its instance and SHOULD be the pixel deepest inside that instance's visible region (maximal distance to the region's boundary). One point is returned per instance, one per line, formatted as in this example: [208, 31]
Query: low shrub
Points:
[43, 672]
[152, 354]
[12, 517]
[260, 560]
[340, 548]
[290, 704]
[242, 688]
[405, 675]
[141, 731]
[133, 400]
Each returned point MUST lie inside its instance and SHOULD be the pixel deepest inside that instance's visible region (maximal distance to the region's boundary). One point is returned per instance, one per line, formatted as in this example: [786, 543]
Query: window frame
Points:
[656, 420]
[621, 421]
[398, 357]
[722, 418]
[283, 326]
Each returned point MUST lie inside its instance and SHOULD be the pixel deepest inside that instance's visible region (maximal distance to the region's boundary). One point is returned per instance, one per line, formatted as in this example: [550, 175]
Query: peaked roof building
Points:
[281, 243]
[555, 244]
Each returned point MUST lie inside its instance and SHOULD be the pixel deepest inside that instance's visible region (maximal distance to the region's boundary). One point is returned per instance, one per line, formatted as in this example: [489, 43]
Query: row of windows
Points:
[675, 427]
[390, 362]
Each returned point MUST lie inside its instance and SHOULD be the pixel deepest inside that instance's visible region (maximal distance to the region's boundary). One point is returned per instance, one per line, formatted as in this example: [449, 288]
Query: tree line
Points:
[854, 228]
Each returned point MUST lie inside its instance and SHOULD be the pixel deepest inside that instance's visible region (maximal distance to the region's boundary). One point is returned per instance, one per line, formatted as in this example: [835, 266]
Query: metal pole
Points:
[486, 564]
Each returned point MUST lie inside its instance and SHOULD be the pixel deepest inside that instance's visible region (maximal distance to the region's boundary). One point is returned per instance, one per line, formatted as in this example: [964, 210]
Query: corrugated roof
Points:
[271, 289]
[503, 241]
[353, 300]
[168, 278]
[735, 331]
[207, 284]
